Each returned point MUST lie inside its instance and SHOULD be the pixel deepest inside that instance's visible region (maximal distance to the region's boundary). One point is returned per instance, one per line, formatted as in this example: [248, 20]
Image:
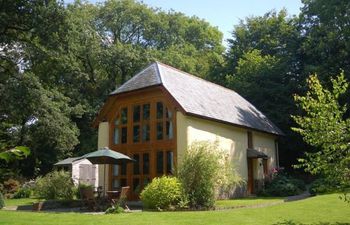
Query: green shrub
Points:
[55, 185]
[2, 201]
[162, 193]
[321, 186]
[205, 172]
[115, 209]
[23, 193]
[283, 185]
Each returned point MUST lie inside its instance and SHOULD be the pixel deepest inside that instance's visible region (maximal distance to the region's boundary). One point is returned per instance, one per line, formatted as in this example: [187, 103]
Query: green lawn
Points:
[20, 201]
[326, 208]
[253, 201]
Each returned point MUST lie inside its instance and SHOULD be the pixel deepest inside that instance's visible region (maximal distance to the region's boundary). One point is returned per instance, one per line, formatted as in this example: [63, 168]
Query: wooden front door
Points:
[250, 184]
[141, 173]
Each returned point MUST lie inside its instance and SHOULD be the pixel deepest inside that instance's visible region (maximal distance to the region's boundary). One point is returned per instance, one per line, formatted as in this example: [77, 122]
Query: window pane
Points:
[159, 162]
[115, 170]
[169, 162]
[136, 133]
[123, 168]
[145, 163]
[146, 111]
[159, 110]
[145, 132]
[169, 129]
[168, 113]
[124, 116]
[124, 135]
[137, 113]
[116, 121]
[116, 135]
[159, 131]
[136, 164]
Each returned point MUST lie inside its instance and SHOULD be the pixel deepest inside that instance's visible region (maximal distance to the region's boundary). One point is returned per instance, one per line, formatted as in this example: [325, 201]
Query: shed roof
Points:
[202, 98]
[67, 161]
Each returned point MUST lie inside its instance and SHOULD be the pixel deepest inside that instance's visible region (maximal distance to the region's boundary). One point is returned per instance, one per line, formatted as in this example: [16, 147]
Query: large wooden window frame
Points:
[151, 146]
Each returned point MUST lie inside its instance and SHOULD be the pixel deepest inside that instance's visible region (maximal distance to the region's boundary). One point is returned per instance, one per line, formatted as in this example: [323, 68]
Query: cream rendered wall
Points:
[181, 135]
[265, 143]
[103, 141]
[231, 139]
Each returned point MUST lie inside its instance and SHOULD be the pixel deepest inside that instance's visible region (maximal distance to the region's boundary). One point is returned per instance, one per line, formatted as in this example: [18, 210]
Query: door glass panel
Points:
[136, 164]
[159, 110]
[116, 135]
[136, 185]
[116, 184]
[145, 163]
[136, 113]
[145, 132]
[123, 182]
[146, 111]
[123, 168]
[136, 133]
[146, 181]
[124, 116]
[124, 135]
[115, 170]
[159, 131]
[160, 162]
[169, 162]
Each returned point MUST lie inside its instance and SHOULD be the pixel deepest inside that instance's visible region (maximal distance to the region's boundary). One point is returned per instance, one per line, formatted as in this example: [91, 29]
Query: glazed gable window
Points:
[137, 123]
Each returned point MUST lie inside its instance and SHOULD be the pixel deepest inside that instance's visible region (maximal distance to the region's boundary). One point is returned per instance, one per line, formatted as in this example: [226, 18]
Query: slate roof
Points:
[202, 98]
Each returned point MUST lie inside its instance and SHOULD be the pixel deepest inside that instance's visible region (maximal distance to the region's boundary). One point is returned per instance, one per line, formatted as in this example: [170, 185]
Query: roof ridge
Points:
[194, 76]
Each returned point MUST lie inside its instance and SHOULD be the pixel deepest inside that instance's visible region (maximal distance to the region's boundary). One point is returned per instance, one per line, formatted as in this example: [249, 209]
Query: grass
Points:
[325, 208]
[20, 201]
[253, 201]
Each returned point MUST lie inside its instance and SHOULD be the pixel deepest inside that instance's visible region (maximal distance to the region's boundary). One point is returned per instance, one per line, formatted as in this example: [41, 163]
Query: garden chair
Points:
[121, 200]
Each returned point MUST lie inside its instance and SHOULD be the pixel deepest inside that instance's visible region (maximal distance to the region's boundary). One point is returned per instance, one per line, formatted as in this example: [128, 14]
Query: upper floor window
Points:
[164, 125]
[141, 123]
[138, 123]
[120, 127]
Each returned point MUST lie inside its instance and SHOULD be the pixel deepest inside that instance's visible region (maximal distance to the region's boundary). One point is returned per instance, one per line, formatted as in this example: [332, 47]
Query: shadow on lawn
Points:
[291, 222]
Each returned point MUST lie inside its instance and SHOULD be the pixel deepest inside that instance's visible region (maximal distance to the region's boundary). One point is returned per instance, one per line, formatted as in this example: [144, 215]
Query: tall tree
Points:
[325, 26]
[324, 126]
[263, 65]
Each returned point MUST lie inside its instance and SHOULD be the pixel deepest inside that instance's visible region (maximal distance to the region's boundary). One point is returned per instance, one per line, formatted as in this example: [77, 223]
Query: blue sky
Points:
[223, 14]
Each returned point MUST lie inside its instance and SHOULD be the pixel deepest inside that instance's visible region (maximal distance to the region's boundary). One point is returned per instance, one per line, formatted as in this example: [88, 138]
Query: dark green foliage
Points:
[322, 186]
[162, 193]
[283, 185]
[23, 193]
[2, 201]
[56, 185]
